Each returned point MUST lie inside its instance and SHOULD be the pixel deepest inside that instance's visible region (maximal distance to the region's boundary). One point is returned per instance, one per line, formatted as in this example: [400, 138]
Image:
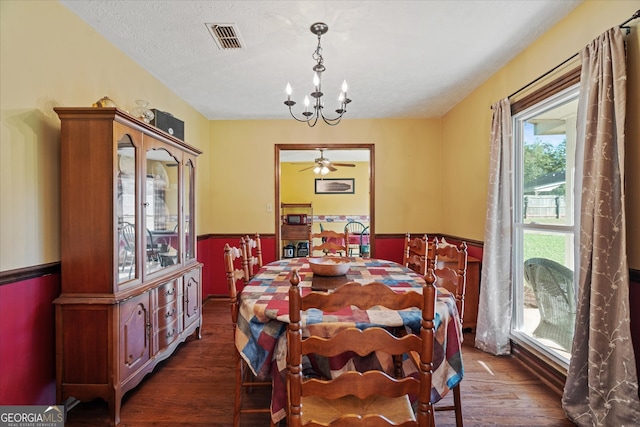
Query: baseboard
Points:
[552, 376]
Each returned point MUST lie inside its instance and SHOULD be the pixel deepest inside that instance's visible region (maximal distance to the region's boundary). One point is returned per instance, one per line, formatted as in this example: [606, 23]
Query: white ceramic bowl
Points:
[329, 265]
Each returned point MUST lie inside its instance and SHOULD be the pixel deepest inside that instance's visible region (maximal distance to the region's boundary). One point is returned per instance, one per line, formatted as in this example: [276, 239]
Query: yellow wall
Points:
[243, 155]
[49, 58]
[466, 127]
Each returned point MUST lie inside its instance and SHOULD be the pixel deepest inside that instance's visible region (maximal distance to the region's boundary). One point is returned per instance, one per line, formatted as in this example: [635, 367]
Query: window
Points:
[544, 231]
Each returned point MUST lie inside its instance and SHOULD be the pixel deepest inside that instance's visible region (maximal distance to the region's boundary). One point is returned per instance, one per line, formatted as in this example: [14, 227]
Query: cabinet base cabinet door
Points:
[135, 326]
[192, 309]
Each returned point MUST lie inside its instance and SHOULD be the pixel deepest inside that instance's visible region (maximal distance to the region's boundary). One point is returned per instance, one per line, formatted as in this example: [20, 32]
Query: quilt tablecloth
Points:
[264, 314]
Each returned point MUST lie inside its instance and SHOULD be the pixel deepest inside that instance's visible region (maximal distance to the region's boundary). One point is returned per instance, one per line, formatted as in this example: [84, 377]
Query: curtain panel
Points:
[602, 382]
[494, 308]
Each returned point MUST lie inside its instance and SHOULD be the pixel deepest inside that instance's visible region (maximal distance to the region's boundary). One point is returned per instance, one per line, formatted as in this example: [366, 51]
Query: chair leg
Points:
[238, 393]
[457, 402]
[456, 407]
[244, 380]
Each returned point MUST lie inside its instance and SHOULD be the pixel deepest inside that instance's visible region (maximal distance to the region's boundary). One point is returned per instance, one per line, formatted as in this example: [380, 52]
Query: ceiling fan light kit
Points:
[311, 117]
[323, 165]
[320, 170]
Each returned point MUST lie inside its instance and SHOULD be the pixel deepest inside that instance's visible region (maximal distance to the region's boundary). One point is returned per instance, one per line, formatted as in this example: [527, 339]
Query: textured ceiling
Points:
[400, 58]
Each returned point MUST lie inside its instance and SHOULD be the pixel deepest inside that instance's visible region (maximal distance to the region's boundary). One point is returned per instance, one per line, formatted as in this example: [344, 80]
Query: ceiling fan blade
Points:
[331, 168]
[310, 167]
[350, 165]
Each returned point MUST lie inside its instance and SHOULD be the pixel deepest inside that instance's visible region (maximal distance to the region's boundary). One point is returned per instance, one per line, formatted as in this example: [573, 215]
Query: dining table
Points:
[263, 315]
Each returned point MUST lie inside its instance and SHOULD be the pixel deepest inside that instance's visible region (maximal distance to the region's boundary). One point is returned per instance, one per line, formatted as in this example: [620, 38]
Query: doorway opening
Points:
[297, 182]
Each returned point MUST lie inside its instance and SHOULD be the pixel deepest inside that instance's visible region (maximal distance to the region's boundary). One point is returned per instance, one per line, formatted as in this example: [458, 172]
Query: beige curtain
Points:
[494, 308]
[602, 383]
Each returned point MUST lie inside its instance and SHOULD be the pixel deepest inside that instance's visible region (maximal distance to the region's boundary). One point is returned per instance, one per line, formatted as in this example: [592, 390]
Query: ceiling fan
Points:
[323, 166]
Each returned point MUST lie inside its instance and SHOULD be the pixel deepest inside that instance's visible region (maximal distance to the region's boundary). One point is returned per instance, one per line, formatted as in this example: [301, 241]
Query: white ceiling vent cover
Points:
[226, 36]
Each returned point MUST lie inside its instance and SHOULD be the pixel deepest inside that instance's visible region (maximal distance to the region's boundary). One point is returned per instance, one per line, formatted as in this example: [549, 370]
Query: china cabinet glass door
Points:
[161, 211]
[189, 206]
[126, 209]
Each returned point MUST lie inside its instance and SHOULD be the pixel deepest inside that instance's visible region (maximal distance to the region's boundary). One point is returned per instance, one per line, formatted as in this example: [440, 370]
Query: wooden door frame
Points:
[284, 147]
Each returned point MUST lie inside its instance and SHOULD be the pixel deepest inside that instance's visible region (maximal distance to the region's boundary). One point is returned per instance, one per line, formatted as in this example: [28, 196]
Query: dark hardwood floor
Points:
[195, 388]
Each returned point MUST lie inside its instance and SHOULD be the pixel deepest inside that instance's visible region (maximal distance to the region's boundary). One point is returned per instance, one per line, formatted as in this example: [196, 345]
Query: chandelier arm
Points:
[300, 120]
[315, 120]
[332, 122]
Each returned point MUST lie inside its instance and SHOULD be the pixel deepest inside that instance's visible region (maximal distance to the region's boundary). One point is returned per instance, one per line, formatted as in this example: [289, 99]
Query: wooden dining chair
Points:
[254, 253]
[354, 398]
[331, 242]
[244, 378]
[415, 253]
[449, 263]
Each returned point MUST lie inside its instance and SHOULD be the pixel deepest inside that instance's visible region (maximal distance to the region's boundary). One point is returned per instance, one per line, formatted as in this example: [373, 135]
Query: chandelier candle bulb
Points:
[288, 90]
[316, 82]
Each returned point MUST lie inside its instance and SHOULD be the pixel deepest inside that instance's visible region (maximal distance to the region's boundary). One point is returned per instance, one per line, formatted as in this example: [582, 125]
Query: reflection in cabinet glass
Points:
[161, 210]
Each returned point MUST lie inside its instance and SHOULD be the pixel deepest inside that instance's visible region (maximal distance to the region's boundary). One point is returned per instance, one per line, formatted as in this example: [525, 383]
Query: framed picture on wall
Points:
[335, 185]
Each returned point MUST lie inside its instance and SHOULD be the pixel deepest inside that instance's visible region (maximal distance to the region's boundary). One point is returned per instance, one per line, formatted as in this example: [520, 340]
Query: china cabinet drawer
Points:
[167, 314]
[167, 293]
[168, 334]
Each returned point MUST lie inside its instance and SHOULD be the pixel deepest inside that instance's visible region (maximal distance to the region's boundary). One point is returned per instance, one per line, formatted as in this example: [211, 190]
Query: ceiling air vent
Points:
[226, 36]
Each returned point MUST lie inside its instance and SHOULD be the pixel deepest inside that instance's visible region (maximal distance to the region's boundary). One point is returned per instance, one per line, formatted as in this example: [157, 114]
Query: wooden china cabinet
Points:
[131, 288]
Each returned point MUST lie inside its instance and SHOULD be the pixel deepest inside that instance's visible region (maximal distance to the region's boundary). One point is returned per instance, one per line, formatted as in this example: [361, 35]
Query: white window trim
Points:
[519, 227]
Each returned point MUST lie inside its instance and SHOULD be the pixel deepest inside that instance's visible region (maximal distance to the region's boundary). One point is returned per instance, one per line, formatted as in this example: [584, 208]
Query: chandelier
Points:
[311, 117]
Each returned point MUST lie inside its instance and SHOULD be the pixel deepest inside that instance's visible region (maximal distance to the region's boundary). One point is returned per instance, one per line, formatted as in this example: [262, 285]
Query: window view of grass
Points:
[543, 245]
